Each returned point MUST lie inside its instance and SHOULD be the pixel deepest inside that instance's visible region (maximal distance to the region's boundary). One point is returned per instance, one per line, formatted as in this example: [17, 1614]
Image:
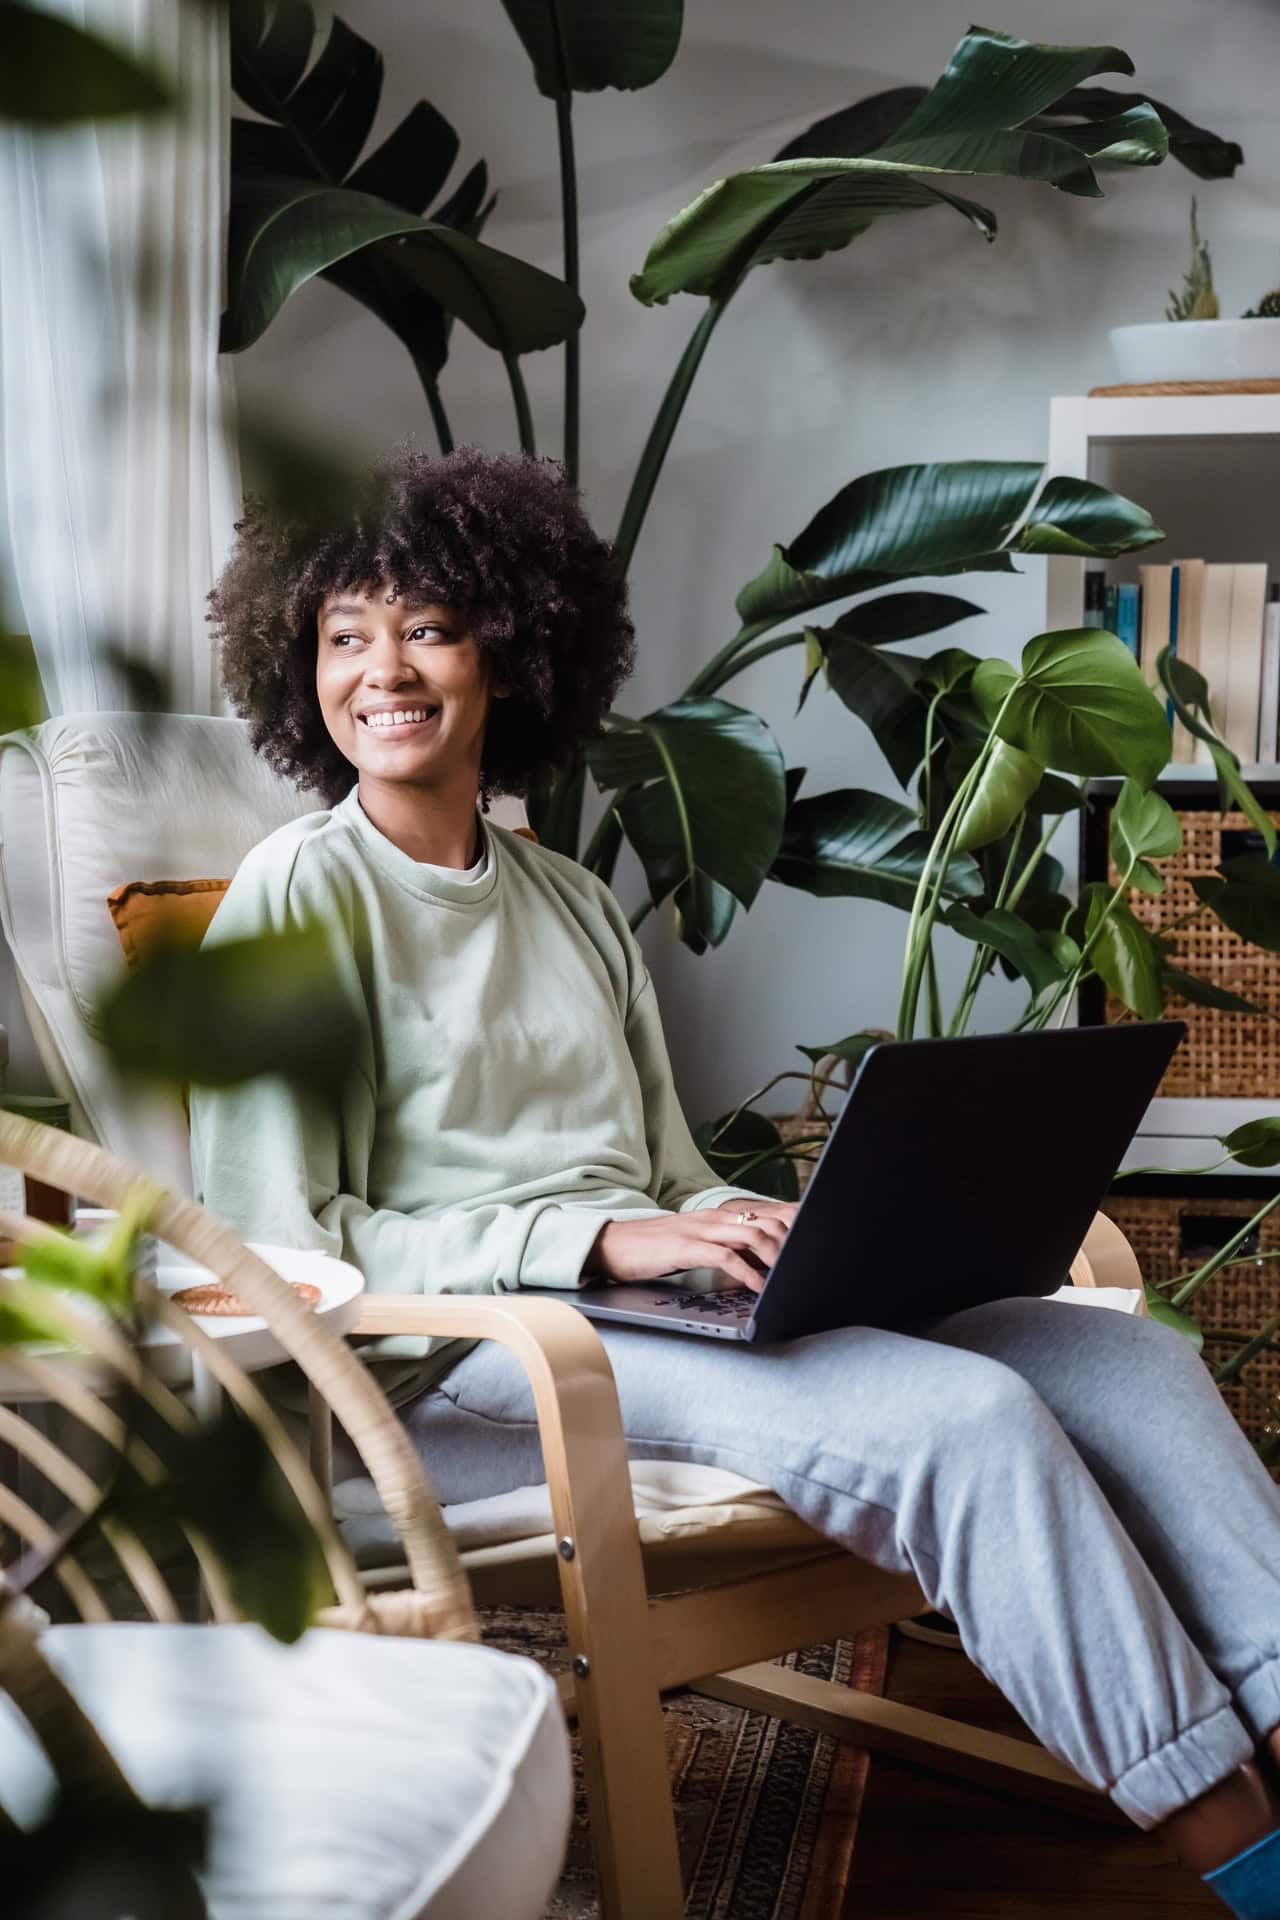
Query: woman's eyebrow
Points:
[346, 609]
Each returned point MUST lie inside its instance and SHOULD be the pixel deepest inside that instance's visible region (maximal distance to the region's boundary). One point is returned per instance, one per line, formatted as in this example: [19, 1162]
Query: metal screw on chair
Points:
[566, 1548]
[581, 1665]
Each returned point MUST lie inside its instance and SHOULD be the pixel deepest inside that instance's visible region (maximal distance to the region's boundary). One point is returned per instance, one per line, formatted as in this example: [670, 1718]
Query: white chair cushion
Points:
[355, 1778]
[87, 802]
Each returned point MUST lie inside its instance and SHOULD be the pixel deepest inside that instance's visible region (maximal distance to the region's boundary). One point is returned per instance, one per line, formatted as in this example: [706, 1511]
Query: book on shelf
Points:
[1217, 618]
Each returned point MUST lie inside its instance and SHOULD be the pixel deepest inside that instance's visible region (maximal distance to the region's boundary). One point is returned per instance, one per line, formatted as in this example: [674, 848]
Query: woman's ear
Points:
[500, 690]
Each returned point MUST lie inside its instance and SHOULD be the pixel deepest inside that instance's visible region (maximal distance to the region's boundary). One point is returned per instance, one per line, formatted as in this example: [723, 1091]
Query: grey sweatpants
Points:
[1064, 1481]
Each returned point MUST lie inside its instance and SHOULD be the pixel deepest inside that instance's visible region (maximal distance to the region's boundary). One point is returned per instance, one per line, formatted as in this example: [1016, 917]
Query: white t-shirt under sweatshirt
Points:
[512, 1089]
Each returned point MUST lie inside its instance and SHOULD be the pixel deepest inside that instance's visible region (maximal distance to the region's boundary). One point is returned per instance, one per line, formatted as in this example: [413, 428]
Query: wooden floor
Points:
[930, 1848]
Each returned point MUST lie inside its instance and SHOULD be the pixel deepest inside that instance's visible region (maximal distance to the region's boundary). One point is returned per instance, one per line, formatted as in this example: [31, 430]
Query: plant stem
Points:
[1249, 1351]
[569, 221]
[1072, 982]
[439, 418]
[661, 433]
[933, 999]
[1041, 848]
[711, 682]
[524, 419]
[788, 1073]
[1223, 1256]
[924, 908]
[984, 956]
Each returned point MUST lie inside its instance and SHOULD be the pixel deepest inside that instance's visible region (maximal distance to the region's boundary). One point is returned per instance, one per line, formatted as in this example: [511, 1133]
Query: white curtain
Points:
[120, 487]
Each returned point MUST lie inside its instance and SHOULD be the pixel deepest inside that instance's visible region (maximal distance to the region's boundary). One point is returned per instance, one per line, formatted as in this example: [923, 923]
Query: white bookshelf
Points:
[1207, 466]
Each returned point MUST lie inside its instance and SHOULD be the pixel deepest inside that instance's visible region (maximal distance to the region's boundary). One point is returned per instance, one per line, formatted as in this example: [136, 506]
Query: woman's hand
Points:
[663, 1245]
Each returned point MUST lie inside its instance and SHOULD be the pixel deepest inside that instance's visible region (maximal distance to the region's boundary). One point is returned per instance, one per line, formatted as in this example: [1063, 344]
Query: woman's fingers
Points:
[763, 1237]
[725, 1260]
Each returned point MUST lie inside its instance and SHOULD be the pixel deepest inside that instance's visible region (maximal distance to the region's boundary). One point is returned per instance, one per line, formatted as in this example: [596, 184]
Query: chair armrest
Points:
[584, 1452]
[1106, 1259]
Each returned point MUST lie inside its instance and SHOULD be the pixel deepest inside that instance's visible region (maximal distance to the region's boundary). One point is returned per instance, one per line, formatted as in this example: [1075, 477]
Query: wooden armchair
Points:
[705, 1611]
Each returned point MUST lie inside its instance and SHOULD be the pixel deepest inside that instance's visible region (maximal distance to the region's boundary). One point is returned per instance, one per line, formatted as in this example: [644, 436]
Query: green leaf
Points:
[904, 616]
[1207, 993]
[54, 74]
[704, 912]
[787, 210]
[853, 1048]
[1143, 827]
[21, 698]
[871, 122]
[708, 801]
[1205, 154]
[737, 1155]
[1188, 691]
[1008, 779]
[285, 231]
[859, 845]
[973, 119]
[880, 686]
[969, 123]
[1158, 1308]
[948, 670]
[1124, 955]
[1079, 704]
[949, 517]
[1245, 895]
[1256, 1143]
[1055, 795]
[220, 1014]
[94, 1852]
[1012, 939]
[583, 46]
[1078, 517]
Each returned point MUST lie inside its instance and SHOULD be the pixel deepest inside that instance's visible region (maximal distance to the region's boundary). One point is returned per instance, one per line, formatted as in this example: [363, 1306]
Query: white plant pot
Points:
[1197, 350]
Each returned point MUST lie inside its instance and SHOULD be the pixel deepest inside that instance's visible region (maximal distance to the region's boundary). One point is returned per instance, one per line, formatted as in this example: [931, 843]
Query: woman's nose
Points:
[386, 666]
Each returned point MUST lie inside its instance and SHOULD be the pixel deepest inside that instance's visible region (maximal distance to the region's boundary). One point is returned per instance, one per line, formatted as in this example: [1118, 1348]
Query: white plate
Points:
[251, 1342]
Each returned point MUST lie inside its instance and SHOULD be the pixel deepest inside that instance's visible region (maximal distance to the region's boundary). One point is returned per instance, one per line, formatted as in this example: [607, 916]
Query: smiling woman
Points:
[439, 583]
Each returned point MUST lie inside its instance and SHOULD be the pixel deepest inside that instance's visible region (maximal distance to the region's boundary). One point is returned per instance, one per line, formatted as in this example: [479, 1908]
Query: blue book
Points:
[1127, 616]
[1175, 581]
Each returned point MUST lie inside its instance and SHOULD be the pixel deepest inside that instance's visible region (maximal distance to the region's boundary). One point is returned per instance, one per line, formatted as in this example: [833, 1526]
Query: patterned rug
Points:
[767, 1813]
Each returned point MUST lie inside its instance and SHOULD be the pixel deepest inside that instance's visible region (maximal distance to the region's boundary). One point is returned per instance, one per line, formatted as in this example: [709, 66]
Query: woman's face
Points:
[402, 687]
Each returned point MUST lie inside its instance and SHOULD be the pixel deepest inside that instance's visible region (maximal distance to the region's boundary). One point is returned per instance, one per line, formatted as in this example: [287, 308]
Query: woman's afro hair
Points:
[500, 537]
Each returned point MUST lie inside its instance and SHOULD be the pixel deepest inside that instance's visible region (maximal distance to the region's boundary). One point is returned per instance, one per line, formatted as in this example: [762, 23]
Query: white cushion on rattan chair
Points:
[355, 1778]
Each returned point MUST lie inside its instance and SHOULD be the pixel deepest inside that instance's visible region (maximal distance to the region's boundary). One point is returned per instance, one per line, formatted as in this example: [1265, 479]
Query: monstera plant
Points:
[699, 788]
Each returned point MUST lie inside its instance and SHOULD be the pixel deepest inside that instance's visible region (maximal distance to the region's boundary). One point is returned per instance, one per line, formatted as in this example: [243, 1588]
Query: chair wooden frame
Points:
[639, 1624]
[632, 1637]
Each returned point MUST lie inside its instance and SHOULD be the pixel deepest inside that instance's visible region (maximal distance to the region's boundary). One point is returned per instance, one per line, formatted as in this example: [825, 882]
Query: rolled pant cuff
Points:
[1184, 1768]
[1258, 1700]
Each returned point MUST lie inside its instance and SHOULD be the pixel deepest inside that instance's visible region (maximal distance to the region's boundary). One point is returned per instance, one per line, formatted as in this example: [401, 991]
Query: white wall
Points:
[918, 343]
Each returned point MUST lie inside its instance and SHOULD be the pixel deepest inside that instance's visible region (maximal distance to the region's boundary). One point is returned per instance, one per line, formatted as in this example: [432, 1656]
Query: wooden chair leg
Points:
[601, 1578]
[1022, 1767]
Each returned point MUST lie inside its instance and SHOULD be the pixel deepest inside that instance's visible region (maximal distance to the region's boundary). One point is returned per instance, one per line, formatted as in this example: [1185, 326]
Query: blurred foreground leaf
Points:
[53, 74]
[217, 1015]
[222, 1479]
[98, 1856]
[749, 1151]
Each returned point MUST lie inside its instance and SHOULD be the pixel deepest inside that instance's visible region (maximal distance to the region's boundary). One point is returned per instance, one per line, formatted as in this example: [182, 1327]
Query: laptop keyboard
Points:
[726, 1303]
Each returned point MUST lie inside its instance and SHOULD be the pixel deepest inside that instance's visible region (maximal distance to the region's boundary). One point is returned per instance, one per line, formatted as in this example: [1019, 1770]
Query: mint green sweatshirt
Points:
[512, 1089]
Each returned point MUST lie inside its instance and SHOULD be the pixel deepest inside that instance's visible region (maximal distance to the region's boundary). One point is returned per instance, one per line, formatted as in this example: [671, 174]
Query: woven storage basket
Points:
[1225, 1055]
[1239, 1300]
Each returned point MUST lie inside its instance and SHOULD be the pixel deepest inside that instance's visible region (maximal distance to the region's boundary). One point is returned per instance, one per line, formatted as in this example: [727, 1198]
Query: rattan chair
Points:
[509, 1739]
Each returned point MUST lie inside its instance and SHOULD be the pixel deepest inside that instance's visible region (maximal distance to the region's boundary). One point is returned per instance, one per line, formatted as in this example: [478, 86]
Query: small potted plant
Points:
[1193, 341]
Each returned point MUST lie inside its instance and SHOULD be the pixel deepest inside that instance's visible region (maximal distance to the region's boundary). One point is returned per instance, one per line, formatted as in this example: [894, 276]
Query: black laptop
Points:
[958, 1171]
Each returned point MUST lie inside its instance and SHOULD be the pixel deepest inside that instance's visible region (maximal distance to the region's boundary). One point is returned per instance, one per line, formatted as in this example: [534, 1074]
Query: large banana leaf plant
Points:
[699, 788]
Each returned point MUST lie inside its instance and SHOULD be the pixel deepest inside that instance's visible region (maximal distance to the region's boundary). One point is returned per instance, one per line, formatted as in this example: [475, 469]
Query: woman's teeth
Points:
[402, 717]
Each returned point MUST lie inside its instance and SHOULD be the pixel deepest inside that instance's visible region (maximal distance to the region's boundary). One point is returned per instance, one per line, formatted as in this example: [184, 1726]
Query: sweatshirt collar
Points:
[419, 879]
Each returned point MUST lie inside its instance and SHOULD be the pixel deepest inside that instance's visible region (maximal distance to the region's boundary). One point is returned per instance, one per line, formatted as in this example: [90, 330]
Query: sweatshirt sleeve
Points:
[681, 1179]
[290, 1168]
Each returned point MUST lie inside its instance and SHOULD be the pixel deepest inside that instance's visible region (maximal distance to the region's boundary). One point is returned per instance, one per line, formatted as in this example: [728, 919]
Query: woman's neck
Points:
[438, 828]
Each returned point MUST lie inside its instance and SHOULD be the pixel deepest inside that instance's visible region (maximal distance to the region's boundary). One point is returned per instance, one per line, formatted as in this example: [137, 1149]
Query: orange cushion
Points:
[151, 913]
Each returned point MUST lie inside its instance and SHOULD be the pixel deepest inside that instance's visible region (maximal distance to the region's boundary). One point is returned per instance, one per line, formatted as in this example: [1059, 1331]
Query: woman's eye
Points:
[419, 632]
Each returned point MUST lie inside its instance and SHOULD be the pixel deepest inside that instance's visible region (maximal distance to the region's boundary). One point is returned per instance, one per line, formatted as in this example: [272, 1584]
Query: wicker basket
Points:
[1161, 1230]
[1225, 1055]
